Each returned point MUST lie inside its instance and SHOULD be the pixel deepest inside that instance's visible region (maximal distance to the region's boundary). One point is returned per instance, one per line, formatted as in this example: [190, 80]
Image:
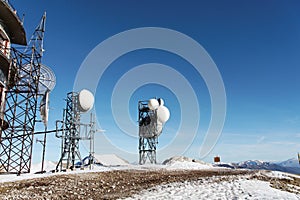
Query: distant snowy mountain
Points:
[293, 162]
[255, 164]
[290, 166]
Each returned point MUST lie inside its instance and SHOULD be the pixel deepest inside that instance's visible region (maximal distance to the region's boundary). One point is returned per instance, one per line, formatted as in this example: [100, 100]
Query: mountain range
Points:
[290, 165]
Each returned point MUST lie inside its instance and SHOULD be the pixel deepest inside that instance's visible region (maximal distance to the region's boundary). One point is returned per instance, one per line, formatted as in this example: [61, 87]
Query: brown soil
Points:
[109, 185]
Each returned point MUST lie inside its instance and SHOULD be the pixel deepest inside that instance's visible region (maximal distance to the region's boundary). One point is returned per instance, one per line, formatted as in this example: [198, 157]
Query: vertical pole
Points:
[63, 138]
[91, 157]
[92, 140]
[44, 149]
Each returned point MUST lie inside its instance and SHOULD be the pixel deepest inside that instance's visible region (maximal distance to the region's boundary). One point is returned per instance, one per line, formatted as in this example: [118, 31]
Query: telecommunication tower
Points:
[20, 89]
[152, 116]
[69, 129]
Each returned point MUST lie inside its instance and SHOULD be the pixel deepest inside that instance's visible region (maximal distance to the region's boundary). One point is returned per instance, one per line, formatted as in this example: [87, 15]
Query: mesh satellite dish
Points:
[47, 78]
[153, 104]
[44, 108]
[85, 100]
[163, 114]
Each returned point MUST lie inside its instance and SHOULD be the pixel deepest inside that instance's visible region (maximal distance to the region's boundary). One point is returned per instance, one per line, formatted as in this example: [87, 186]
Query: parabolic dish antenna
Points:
[47, 79]
[85, 100]
[44, 108]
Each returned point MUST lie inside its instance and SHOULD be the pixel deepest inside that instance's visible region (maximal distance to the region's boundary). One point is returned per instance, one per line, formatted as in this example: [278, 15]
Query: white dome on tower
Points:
[163, 114]
[85, 100]
[153, 104]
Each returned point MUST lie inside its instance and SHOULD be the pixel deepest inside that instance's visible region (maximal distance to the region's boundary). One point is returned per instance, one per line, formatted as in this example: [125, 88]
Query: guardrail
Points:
[11, 7]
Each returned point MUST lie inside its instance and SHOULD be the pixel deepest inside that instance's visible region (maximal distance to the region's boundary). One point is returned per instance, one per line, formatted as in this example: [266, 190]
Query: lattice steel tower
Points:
[70, 128]
[147, 133]
[71, 132]
[152, 117]
[19, 97]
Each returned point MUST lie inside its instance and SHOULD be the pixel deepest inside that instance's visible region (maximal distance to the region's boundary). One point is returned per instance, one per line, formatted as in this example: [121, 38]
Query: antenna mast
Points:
[71, 126]
[21, 104]
[152, 116]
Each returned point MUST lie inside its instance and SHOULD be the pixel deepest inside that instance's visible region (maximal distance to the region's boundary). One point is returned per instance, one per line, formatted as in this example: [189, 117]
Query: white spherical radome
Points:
[159, 128]
[163, 114]
[86, 100]
[153, 104]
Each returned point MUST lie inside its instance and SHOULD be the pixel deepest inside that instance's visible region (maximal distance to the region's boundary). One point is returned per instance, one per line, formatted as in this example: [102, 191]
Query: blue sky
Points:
[255, 45]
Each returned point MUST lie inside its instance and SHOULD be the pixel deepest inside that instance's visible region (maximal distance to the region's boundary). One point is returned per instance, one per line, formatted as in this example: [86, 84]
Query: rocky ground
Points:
[121, 184]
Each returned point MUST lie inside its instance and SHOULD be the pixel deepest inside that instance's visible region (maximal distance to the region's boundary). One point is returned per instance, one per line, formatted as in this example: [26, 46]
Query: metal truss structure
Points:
[71, 134]
[147, 148]
[147, 133]
[21, 104]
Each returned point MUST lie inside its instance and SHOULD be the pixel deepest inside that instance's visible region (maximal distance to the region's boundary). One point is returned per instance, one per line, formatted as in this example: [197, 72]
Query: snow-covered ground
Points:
[205, 188]
[211, 188]
[48, 166]
[110, 160]
[180, 162]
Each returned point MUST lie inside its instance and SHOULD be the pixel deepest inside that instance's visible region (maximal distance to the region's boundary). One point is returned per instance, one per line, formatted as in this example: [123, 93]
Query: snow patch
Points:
[181, 162]
[110, 160]
[281, 175]
[48, 166]
[212, 189]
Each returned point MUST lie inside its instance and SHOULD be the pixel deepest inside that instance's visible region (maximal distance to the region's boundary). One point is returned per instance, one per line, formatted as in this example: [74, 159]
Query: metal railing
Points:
[9, 5]
[11, 8]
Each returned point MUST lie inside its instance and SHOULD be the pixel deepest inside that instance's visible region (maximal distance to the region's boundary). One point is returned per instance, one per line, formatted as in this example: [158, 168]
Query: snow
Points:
[110, 160]
[36, 168]
[181, 162]
[208, 188]
[251, 163]
[48, 166]
[215, 187]
[293, 162]
[187, 165]
[280, 175]
[14, 177]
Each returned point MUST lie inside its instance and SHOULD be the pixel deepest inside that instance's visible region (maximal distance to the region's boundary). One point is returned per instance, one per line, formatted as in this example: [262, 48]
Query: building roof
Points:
[12, 23]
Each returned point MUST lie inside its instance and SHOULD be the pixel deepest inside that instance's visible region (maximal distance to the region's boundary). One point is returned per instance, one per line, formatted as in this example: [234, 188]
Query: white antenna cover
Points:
[159, 127]
[44, 108]
[153, 104]
[163, 114]
[161, 101]
[85, 100]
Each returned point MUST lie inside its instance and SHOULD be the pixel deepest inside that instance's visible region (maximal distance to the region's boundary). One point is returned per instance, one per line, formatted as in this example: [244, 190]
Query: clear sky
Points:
[254, 44]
